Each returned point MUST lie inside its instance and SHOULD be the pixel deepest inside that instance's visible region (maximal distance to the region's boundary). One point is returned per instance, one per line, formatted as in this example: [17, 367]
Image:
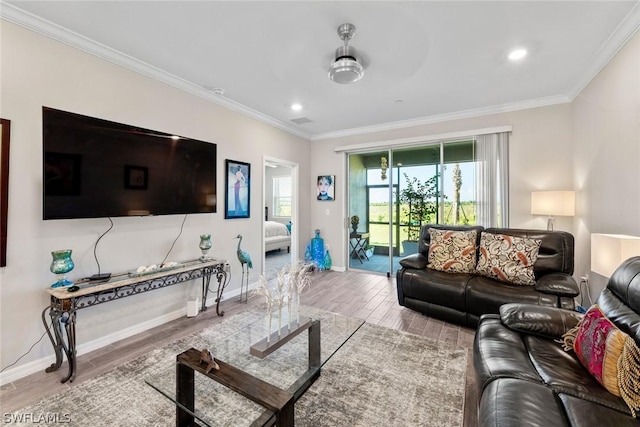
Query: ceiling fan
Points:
[346, 68]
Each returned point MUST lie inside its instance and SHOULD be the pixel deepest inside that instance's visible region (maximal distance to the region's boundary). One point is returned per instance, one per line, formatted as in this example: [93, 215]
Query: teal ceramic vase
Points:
[61, 265]
[205, 245]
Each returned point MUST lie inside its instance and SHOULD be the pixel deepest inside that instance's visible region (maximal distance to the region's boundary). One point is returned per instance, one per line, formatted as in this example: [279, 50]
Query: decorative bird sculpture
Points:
[207, 359]
[245, 260]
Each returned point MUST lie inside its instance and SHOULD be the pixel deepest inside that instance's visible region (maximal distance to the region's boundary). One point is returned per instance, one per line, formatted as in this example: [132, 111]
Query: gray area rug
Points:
[380, 377]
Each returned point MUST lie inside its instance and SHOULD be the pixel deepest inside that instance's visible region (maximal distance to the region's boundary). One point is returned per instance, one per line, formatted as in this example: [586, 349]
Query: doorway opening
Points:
[280, 225]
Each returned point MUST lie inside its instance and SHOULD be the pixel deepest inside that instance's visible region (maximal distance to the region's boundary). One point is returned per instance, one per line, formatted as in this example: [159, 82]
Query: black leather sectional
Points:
[463, 298]
[525, 378]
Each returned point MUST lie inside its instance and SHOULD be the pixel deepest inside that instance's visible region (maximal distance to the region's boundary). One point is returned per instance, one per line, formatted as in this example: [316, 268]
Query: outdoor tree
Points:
[419, 203]
[457, 184]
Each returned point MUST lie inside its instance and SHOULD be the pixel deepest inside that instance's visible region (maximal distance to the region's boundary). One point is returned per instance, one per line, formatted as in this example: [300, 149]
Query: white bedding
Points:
[273, 228]
[276, 236]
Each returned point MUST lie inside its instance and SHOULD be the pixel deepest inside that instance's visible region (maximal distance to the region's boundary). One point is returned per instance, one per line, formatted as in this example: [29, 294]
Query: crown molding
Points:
[34, 23]
[627, 28]
[621, 35]
[477, 112]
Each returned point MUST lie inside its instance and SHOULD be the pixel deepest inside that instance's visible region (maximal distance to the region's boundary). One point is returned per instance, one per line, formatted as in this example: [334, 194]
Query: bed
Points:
[276, 236]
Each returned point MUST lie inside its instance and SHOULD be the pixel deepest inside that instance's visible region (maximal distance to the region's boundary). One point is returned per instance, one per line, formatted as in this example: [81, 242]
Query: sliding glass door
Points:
[394, 192]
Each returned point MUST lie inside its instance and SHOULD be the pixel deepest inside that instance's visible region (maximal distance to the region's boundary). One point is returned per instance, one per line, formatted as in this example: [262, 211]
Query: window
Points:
[282, 196]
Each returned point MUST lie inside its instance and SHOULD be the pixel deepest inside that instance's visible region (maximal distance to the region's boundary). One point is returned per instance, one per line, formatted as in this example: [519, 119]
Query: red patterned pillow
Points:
[598, 343]
[508, 258]
[452, 251]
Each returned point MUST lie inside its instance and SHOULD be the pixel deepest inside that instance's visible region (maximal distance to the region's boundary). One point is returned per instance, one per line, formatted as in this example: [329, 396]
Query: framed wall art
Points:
[5, 133]
[237, 192]
[326, 187]
[136, 177]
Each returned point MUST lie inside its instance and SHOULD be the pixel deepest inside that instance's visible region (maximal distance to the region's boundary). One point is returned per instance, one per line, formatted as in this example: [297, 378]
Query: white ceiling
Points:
[425, 61]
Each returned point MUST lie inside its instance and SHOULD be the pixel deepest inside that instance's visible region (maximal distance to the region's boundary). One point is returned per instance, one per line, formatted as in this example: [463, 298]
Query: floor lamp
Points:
[552, 204]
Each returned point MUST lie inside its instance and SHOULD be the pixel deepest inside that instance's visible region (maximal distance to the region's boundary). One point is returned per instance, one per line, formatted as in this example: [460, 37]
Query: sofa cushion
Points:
[500, 352]
[452, 251]
[508, 258]
[485, 295]
[512, 402]
[598, 344]
[564, 373]
[582, 412]
[435, 287]
[547, 322]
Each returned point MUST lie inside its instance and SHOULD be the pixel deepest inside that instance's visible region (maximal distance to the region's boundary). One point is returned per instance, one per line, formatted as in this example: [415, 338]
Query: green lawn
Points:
[379, 213]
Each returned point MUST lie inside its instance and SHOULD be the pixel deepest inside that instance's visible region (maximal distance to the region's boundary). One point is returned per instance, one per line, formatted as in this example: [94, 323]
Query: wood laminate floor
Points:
[371, 297]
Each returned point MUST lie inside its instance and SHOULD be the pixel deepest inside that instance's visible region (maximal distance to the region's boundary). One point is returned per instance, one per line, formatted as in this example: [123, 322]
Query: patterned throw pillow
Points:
[611, 356]
[508, 258]
[598, 344]
[452, 251]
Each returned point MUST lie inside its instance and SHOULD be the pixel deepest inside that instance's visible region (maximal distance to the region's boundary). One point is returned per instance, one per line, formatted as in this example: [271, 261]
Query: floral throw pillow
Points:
[452, 251]
[508, 258]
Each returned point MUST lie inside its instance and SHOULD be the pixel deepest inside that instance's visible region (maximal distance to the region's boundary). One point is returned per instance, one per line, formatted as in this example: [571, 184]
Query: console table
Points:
[64, 304]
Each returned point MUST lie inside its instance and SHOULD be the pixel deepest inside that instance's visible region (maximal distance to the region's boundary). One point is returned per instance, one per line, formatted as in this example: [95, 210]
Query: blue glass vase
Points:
[61, 265]
[317, 251]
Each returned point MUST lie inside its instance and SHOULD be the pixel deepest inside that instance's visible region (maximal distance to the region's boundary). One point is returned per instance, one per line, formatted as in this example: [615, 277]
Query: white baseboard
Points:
[41, 364]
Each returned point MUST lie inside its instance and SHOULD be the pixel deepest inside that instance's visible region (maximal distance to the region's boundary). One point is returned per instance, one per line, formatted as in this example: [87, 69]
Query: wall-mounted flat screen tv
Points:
[96, 168]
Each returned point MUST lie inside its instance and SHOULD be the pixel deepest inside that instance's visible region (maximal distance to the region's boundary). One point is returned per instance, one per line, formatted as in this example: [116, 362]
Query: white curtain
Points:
[492, 180]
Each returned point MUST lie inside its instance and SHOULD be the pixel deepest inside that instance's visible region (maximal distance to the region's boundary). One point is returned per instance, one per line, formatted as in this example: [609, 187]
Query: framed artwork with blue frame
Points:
[237, 193]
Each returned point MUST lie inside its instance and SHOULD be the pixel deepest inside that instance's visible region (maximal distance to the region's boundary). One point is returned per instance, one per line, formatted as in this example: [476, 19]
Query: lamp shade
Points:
[553, 203]
[608, 251]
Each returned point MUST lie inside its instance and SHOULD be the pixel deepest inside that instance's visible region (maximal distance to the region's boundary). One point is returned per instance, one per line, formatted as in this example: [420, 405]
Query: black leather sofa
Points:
[462, 298]
[525, 378]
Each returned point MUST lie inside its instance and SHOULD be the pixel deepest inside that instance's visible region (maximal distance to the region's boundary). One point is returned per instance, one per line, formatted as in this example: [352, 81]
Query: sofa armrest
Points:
[560, 284]
[548, 322]
[417, 261]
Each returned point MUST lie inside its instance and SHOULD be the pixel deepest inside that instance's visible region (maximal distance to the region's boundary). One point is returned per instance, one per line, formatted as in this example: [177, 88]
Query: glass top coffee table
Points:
[258, 382]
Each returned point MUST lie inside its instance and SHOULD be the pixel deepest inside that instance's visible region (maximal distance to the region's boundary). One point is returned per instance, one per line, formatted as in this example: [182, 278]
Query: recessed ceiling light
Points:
[517, 54]
[175, 137]
[296, 107]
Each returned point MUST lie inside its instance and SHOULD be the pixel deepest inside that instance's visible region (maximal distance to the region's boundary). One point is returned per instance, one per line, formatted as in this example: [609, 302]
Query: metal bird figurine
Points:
[245, 260]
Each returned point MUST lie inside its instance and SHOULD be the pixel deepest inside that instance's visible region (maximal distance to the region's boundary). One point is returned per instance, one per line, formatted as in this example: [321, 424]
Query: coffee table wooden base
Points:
[278, 402]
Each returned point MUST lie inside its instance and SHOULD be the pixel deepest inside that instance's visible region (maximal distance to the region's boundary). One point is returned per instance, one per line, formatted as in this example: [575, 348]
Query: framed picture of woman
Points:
[237, 190]
[326, 187]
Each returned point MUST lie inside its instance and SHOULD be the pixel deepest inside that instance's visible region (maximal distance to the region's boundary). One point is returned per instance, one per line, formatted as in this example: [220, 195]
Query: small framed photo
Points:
[237, 189]
[326, 187]
[136, 177]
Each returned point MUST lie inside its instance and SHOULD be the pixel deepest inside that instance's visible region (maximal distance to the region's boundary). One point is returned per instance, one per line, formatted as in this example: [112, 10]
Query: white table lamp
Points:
[608, 251]
[552, 204]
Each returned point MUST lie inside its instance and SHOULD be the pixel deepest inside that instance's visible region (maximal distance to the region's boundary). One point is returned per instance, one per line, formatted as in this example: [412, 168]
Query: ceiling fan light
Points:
[346, 68]
[345, 71]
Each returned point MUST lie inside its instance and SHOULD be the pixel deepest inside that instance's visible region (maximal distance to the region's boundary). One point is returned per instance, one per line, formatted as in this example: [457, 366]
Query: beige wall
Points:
[606, 146]
[38, 71]
[592, 144]
[540, 154]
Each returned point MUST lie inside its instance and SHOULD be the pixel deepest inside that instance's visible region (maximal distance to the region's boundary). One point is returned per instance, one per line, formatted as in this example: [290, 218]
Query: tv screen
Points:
[97, 168]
